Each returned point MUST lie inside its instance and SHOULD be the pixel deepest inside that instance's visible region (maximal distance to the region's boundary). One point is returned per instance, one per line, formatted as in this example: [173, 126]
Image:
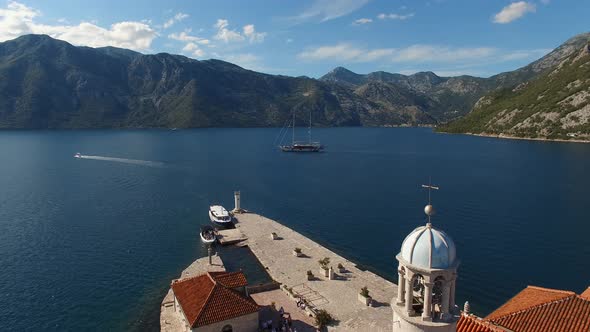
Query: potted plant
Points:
[322, 319]
[324, 262]
[309, 275]
[297, 252]
[341, 268]
[273, 236]
[364, 296]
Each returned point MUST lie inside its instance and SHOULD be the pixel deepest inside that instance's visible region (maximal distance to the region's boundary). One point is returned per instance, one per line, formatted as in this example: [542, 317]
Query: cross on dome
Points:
[429, 209]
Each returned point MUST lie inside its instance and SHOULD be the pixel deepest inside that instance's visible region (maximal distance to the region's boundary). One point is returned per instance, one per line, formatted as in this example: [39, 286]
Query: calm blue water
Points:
[94, 243]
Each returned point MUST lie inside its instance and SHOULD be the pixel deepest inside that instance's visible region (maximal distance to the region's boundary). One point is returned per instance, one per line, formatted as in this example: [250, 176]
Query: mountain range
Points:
[49, 83]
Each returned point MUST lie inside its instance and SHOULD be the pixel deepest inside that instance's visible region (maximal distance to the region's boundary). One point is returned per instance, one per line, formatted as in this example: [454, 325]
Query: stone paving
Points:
[301, 321]
[339, 297]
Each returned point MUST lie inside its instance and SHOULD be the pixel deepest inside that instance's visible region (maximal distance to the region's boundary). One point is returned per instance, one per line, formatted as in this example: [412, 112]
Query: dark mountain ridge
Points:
[48, 83]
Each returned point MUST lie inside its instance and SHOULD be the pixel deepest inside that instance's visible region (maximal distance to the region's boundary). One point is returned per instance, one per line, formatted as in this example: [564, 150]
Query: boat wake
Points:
[124, 160]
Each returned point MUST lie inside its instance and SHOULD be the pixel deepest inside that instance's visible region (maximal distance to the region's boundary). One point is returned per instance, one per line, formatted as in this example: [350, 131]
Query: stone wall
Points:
[246, 323]
[263, 287]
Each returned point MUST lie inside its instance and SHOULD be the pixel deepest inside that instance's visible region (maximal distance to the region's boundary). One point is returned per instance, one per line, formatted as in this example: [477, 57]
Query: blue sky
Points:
[311, 37]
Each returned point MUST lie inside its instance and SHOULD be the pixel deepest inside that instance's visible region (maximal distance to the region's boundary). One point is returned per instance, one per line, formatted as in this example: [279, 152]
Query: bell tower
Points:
[427, 273]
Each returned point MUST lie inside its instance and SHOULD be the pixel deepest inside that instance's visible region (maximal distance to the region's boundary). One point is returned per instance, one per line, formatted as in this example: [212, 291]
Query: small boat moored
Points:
[207, 234]
[219, 216]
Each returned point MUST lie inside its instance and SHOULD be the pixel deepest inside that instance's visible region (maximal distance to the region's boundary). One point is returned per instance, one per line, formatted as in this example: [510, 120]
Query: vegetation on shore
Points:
[555, 105]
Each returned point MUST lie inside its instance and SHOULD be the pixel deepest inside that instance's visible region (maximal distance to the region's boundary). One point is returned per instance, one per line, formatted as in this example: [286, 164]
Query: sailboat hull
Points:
[301, 148]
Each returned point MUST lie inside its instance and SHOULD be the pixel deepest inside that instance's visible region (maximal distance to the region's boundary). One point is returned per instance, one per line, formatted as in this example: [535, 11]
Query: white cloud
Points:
[514, 11]
[193, 49]
[176, 18]
[227, 35]
[15, 20]
[193, 43]
[223, 33]
[394, 16]
[244, 60]
[326, 10]
[18, 19]
[345, 52]
[414, 54]
[252, 35]
[525, 54]
[341, 51]
[434, 53]
[184, 36]
[362, 21]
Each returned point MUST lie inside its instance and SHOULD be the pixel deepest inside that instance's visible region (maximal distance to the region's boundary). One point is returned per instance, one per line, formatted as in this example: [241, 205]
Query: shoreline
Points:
[504, 136]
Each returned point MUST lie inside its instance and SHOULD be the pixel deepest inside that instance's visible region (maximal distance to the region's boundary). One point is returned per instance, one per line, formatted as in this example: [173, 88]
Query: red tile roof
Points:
[586, 294]
[527, 298]
[571, 314]
[206, 300]
[471, 323]
[230, 279]
[537, 309]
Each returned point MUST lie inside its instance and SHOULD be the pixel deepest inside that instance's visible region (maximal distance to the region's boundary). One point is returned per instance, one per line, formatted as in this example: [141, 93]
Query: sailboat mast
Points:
[293, 134]
[309, 130]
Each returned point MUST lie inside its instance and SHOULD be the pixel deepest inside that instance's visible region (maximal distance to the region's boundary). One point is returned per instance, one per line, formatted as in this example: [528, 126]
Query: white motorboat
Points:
[207, 234]
[77, 155]
[219, 216]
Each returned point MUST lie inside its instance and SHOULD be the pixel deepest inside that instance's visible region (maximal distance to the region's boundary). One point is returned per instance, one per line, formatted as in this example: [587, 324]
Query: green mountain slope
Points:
[442, 98]
[48, 83]
[449, 98]
[555, 105]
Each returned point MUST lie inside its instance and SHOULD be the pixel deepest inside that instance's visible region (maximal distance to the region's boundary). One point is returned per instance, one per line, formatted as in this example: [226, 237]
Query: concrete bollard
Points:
[237, 207]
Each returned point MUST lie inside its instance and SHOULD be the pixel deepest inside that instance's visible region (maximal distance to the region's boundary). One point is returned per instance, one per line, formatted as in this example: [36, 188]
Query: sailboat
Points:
[298, 146]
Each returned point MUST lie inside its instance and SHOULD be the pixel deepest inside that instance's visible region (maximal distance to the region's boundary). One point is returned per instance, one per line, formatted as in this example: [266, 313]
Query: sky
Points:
[311, 37]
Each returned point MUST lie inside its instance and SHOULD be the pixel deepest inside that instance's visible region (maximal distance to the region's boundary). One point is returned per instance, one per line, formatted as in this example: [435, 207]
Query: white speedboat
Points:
[207, 234]
[219, 216]
[77, 155]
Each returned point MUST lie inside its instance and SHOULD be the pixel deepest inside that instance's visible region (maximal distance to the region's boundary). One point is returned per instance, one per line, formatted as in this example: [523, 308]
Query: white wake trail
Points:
[125, 160]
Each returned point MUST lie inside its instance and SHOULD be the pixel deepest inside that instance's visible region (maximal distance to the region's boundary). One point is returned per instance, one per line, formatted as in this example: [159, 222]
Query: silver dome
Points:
[429, 248]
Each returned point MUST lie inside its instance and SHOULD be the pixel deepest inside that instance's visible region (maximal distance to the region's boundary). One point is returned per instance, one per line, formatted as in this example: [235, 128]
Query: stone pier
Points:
[275, 252]
[340, 296]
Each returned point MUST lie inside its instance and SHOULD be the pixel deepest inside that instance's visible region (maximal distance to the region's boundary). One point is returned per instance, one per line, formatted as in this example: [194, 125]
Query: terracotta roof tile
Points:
[569, 314]
[527, 298]
[224, 304]
[586, 294]
[230, 279]
[471, 323]
[206, 300]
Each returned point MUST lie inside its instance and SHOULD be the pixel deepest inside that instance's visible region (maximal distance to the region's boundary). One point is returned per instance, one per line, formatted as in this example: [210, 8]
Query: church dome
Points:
[429, 248]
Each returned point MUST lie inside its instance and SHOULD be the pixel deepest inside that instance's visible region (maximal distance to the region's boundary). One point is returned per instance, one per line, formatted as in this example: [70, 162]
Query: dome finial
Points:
[429, 209]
